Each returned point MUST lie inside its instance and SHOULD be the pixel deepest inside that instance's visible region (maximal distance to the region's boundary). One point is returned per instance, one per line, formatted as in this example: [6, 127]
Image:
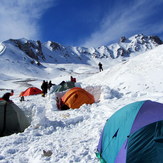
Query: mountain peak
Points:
[52, 52]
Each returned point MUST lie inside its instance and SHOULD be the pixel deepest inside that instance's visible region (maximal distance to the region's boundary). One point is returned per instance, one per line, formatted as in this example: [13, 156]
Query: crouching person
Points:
[7, 95]
[61, 105]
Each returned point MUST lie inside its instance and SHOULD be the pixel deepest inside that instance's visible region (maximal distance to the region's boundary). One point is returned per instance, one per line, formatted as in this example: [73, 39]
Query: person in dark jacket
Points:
[100, 66]
[7, 95]
[50, 84]
[44, 88]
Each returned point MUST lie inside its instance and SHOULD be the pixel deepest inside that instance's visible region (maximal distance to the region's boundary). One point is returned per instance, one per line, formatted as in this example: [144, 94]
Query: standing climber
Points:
[100, 66]
[49, 85]
[44, 88]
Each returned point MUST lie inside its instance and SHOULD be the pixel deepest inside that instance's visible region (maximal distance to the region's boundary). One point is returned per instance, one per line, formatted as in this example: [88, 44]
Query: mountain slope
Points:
[146, 69]
[31, 58]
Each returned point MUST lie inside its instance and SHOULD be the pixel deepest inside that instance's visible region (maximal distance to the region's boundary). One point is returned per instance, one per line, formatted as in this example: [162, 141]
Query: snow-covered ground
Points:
[72, 136]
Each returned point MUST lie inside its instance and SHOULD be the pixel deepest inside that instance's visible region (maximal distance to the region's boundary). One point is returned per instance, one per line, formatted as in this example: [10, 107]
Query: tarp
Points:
[31, 91]
[128, 134]
[12, 119]
[76, 97]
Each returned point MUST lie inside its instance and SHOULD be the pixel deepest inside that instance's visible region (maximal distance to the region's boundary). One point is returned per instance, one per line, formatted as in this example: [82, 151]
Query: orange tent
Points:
[76, 97]
[31, 91]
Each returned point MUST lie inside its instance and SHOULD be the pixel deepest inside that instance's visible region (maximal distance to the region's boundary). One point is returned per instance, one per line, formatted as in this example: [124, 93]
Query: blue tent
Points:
[134, 134]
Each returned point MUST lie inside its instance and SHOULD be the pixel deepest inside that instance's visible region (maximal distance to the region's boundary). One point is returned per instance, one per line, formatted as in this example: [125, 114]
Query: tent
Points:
[31, 91]
[12, 119]
[134, 134]
[62, 86]
[76, 97]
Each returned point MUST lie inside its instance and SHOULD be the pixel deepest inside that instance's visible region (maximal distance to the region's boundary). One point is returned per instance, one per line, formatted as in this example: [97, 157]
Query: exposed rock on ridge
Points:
[56, 53]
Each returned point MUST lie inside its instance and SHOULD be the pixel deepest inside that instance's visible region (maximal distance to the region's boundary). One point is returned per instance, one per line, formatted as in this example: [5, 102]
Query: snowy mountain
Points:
[28, 54]
[56, 53]
[72, 136]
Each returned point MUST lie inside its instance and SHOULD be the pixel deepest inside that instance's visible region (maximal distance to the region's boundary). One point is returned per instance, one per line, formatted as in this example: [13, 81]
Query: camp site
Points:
[86, 115]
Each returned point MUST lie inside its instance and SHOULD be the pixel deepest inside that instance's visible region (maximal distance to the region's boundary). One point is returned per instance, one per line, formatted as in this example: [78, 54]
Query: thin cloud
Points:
[124, 20]
[19, 18]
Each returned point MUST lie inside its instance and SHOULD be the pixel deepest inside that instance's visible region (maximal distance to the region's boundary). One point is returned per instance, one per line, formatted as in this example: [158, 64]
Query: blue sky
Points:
[89, 23]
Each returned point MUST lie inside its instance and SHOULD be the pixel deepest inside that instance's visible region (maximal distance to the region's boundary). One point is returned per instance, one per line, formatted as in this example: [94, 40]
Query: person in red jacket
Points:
[72, 79]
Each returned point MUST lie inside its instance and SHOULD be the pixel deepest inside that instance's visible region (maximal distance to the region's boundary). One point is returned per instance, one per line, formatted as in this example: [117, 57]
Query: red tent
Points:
[31, 91]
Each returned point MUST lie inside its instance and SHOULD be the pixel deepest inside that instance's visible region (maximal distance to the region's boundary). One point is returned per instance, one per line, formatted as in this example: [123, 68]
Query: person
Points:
[61, 105]
[7, 95]
[100, 66]
[44, 88]
[50, 84]
[72, 79]
[22, 98]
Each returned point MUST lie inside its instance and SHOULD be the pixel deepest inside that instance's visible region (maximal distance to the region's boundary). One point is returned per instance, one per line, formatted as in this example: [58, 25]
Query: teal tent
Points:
[134, 134]
[62, 86]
